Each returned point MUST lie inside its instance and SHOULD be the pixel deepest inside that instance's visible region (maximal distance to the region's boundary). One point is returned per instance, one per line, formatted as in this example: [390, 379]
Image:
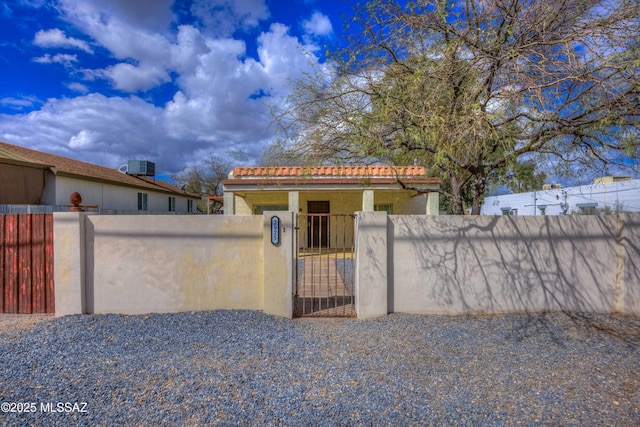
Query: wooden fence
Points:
[26, 263]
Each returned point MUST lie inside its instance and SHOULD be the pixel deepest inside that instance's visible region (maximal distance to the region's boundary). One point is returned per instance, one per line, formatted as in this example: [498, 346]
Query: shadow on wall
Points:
[459, 265]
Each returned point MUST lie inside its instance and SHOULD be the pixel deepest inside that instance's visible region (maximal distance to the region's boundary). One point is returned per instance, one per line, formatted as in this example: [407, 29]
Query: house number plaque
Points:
[275, 230]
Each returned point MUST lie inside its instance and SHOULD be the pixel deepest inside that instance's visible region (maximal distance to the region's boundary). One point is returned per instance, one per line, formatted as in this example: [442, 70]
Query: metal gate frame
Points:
[324, 275]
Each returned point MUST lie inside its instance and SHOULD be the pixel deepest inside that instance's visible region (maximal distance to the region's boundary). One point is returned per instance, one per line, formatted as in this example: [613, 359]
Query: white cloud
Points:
[118, 32]
[19, 103]
[154, 15]
[220, 18]
[78, 87]
[318, 25]
[83, 139]
[129, 78]
[114, 130]
[220, 104]
[57, 38]
[59, 58]
[283, 57]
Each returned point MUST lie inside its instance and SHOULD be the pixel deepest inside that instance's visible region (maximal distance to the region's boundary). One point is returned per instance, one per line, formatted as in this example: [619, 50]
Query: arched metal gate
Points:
[324, 263]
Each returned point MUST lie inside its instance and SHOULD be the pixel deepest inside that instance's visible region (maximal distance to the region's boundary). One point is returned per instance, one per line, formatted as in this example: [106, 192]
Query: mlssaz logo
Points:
[80, 407]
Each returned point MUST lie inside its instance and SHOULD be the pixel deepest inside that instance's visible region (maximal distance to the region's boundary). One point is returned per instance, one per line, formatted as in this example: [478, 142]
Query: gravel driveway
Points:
[247, 368]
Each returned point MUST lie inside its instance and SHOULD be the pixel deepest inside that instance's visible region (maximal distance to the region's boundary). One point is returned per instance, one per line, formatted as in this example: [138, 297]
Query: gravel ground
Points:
[247, 368]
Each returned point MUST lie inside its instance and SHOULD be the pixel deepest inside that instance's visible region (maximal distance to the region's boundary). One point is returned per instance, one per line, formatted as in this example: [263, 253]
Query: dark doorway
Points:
[318, 224]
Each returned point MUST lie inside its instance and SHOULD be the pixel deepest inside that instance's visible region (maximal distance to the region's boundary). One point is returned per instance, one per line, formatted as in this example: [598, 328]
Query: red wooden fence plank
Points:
[2, 268]
[50, 297]
[3, 233]
[37, 263]
[24, 264]
[11, 265]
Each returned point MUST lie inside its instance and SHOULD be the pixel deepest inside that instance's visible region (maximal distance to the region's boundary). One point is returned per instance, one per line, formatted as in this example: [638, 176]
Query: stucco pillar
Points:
[278, 264]
[367, 200]
[229, 203]
[371, 279]
[433, 203]
[294, 201]
[69, 262]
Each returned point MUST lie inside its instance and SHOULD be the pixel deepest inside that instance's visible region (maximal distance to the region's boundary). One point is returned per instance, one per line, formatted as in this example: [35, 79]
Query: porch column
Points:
[229, 203]
[294, 201]
[367, 201]
[433, 203]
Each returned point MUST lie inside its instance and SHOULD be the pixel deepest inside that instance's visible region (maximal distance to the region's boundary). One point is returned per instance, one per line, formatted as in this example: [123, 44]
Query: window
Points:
[190, 206]
[172, 204]
[142, 201]
[383, 208]
[507, 211]
[260, 209]
[543, 209]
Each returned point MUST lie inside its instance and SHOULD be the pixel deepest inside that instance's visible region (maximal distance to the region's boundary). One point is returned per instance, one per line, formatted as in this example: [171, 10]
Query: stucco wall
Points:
[108, 196]
[629, 263]
[161, 263]
[510, 264]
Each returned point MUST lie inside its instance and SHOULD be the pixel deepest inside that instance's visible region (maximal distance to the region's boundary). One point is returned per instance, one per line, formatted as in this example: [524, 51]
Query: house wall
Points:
[455, 264]
[342, 202]
[624, 195]
[108, 196]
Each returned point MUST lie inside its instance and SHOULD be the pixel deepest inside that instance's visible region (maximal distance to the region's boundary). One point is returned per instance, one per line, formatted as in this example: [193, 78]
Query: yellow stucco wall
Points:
[182, 263]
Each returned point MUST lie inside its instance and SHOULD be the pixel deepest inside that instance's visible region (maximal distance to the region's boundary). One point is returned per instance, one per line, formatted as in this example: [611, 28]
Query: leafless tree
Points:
[204, 179]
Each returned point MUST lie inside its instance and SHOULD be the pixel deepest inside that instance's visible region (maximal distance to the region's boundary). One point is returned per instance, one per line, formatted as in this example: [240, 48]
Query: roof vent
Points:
[141, 168]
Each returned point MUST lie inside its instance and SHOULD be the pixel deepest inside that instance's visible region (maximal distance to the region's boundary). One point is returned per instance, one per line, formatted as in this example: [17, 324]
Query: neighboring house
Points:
[30, 177]
[605, 194]
[331, 189]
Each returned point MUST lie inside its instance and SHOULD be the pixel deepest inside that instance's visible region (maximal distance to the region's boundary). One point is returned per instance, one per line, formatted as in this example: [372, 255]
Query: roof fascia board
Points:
[17, 162]
[361, 182]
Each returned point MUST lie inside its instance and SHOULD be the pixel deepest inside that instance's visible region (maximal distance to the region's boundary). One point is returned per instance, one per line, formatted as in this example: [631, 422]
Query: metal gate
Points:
[324, 263]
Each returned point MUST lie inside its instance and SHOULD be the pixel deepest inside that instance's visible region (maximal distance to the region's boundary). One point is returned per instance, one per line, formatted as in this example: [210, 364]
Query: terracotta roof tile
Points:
[328, 171]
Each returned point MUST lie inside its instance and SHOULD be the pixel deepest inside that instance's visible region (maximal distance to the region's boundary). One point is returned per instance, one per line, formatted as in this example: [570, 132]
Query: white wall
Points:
[109, 196]
[624, 193]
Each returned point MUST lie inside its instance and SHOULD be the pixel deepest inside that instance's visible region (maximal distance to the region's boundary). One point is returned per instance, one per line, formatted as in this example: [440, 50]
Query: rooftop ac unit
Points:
[141, 167]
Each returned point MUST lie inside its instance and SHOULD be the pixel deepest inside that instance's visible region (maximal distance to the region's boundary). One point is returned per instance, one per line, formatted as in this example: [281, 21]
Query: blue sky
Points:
[169, 81]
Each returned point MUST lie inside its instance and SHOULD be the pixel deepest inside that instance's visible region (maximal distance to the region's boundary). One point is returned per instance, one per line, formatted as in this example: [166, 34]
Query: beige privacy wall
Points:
[450, 264]
[140, 263]
[157, 263]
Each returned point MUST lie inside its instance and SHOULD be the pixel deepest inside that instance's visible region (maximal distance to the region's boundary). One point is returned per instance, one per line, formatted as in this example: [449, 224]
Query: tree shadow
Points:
[530, 265]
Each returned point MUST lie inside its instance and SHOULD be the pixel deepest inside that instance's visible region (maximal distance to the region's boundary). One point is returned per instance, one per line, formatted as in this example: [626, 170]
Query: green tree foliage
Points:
[470, 88]
[522, 177]
[204, 179]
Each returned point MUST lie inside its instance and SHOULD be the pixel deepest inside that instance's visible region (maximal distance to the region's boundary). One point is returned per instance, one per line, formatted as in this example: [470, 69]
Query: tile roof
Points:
[328, 171]
[74, 168]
